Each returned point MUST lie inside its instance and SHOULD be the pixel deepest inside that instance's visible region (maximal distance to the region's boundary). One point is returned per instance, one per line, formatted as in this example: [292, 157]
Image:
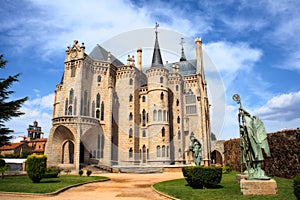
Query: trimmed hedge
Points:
[297, 186]
[36, 166]
[52, 172]
[88, 172]
[202, 177]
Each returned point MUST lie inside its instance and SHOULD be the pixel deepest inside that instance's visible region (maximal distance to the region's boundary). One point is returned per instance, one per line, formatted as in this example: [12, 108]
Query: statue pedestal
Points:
[258, 187]
[239, 177]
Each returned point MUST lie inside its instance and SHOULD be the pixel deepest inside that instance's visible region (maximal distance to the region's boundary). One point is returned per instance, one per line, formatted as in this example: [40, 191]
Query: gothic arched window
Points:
[66, 106]
[130, 153]
[98, 101]
[161, 96]
[93, 109]
[73, 70]
[99, 79]
[179, 135]
[97, 113]
[159, 114]
[163, 132]
[158, 151]
[167, 151]
[178, 120]
[130, 81]
[102, 111]
[130, 116]
[70, 110]
[130, 98]
[154, 115]
[144, 117]
[161, 79]
[163, 151]
[71, 96]
[179, 152]
[130, 133]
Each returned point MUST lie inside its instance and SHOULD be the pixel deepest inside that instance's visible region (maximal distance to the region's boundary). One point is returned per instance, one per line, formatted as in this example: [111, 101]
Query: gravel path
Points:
[121, 186]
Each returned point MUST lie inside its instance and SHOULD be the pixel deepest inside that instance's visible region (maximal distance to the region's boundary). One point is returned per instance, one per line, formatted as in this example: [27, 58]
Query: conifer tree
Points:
[8, 108]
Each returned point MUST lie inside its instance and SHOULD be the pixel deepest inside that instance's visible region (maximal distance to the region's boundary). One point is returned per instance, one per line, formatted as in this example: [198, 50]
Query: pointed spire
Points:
[156, 59]
[182, 51]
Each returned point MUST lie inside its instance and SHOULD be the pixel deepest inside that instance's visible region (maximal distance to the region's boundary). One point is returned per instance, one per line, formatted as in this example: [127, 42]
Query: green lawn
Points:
[47, 185]
[229, 190]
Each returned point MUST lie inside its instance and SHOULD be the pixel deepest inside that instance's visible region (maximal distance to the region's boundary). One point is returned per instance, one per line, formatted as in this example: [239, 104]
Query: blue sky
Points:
[254, 45]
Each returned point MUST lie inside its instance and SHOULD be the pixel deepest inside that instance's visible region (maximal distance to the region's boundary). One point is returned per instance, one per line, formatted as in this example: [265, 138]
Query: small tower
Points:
[34, 131]
[158, 108]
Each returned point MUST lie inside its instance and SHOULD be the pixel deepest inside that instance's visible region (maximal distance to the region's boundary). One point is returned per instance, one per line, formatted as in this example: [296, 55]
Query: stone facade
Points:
[121, 114]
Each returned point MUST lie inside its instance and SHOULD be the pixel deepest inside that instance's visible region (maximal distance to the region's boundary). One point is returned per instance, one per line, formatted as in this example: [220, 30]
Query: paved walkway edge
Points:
[20, 194]
[163, 194]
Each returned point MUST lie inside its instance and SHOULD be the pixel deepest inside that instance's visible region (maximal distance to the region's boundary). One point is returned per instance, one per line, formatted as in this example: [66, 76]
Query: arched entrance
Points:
[61, 148]
[68, 152]
[91, 145]
[216, 158]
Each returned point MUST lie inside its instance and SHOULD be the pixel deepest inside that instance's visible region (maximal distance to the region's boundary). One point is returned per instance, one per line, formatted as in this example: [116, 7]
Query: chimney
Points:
[139, 59]
[198, 42]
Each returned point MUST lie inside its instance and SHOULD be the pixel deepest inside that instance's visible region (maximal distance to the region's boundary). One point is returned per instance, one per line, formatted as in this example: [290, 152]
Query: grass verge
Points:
[47, 185]
[228, 190]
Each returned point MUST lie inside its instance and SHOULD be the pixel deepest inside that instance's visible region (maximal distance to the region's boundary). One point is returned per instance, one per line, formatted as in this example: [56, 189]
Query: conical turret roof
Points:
[156, 59]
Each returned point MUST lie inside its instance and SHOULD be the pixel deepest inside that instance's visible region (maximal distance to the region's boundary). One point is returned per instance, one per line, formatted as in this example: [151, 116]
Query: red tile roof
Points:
[11, 146]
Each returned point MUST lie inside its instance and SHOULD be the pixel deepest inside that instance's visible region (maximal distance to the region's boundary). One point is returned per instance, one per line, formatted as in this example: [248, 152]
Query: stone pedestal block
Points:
[258, 187]
[239, 177]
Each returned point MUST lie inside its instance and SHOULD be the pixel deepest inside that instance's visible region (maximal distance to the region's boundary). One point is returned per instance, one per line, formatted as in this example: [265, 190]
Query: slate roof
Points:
[187, 67]
[99, 53]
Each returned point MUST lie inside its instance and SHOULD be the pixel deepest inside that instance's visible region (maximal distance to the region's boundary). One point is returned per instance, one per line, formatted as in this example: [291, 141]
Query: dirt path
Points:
[121, 186]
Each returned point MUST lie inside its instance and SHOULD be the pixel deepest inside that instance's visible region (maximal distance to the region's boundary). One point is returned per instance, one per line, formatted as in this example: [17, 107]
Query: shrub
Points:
[52, 172]
[67, 171]
[88, 172]
[226, 169]
[297, 186]
[3, 167]
[36, 166]
[202, 177]
[80, 172]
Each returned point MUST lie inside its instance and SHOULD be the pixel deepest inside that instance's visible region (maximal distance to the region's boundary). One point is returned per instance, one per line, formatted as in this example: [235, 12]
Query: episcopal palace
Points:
[109, 113]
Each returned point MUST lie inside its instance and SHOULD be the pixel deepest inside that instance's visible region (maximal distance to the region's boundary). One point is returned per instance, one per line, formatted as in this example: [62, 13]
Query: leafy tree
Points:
[8, 109]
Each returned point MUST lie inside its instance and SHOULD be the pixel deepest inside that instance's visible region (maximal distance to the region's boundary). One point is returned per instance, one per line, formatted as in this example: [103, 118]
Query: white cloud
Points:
[38, 109]
[229, 58]
[284, 107]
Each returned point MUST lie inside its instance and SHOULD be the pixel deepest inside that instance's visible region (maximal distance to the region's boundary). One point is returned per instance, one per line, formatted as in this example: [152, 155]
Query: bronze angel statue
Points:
[253, 141]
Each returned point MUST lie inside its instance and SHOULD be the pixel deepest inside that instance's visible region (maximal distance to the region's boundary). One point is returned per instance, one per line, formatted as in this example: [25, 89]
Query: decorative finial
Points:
[182, 42]
[156, 26]
[182, 50]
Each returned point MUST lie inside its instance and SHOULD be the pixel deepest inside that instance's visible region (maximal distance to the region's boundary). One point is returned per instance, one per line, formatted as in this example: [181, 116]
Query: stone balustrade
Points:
[74, 120]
